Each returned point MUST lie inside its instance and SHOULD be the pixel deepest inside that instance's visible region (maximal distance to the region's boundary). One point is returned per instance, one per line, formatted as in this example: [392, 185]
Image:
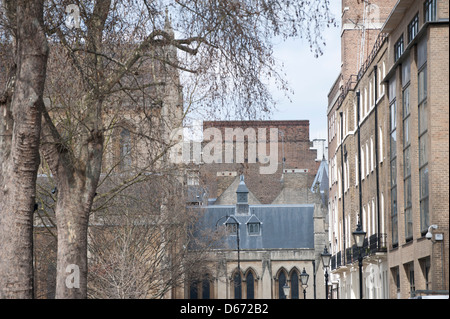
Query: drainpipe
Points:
[375, 70]
[314, 274]
[358, 102]
[342, 183]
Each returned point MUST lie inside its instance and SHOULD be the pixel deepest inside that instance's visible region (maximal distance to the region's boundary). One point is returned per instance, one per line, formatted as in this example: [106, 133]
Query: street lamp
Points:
[326, 256]
[358, 236]
[286, 290]
[304, 279]
[232, 224]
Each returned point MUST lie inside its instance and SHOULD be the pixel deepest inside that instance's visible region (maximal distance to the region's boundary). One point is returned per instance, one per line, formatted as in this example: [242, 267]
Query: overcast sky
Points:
[310, 78]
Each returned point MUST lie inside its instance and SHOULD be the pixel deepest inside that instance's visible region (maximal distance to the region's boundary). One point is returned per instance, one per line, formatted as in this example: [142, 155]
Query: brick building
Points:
[288, 206]
[294, 154]
[389, 159]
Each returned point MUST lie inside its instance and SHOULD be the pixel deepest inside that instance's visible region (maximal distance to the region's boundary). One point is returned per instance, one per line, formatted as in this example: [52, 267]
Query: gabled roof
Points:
[321, 179]
[282, 226]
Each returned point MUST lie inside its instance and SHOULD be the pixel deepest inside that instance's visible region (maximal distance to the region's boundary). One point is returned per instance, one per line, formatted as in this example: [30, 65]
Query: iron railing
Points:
[374, 244]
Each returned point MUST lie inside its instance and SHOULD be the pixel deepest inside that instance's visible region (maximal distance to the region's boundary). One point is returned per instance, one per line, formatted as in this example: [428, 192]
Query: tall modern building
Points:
[388, 151]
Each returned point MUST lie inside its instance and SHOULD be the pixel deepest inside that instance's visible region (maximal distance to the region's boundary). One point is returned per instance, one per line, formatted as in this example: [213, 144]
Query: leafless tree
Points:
[223, 51]
[21, 102]
[144, 244]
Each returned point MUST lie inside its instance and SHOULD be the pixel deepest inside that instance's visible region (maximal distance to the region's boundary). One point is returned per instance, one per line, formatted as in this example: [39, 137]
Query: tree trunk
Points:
[20, 152]
[76, 183]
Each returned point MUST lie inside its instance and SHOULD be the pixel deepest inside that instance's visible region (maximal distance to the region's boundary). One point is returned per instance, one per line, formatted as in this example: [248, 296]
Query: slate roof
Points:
[282, 226]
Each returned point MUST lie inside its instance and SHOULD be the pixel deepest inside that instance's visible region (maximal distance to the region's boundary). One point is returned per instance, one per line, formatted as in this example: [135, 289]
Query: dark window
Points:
[410, 273]
[206, 288]
[254, 228]
[237, 286]
[413, 28]
[393, 169]
[423, 152]
[407, 166]
[125, 149]
[294, 286]
[429, 9]
[425, 265]
[398, 48]
[250, 286]
[193, 290]
[281, 283]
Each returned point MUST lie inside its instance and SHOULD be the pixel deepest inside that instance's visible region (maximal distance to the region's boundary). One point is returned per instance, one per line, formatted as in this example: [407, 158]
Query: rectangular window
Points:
[407, 166]
[413, 28]
[429, 9]
[409, 269]
[254, 228]
[394, 220]
[395, 271]
[423, 152]
[398, 48]
[393, 166]
[425, 265]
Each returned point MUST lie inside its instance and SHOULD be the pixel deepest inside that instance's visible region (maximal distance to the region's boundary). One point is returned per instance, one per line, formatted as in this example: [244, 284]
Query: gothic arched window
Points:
[250, 279]
[281, 283]
[237, 280]
[294, 285]
[125, 149]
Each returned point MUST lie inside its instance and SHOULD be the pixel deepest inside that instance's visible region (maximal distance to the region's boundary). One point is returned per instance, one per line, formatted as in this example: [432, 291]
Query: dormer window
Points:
[254, 226]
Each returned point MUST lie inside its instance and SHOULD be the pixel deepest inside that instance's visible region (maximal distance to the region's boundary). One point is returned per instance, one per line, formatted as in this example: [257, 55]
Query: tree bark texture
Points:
[22, 113]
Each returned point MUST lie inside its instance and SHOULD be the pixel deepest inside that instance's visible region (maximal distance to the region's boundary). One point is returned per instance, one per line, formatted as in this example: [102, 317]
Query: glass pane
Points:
[205, 289]
[406, 102]
[393, 111]
[250, 286]
[424, 215]
[423, 149]
[423, 182]
[422, 52]
[423, 117]
[406, 71]
[281, 282]
[408, 201]
[408, 223]
[193, 292]
[237, 286]
[294, 286]
[406, 136]
[407, 161]
[394, 201]
[422, 84]
[393, 172]
[392, 89]
[393, 144]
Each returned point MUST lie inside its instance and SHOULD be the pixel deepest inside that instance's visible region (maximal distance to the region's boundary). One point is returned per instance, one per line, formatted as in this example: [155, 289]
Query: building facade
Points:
[265, 247]
[381, 138]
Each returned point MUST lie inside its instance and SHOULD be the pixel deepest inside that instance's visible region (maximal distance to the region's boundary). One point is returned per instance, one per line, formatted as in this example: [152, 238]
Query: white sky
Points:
[310, 78]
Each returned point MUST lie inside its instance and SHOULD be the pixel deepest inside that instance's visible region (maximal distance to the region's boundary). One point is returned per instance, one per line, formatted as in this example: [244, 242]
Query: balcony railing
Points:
[373, 244]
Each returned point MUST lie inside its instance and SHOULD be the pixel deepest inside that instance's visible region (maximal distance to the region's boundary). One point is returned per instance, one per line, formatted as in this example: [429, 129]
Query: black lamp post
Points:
[230, 225]
[235, 223]
[304, 279]
[358, 236]
[326, 256]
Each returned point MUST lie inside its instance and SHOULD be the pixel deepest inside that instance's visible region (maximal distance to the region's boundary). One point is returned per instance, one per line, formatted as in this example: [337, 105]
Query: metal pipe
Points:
[342, 183]
[358, 102]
